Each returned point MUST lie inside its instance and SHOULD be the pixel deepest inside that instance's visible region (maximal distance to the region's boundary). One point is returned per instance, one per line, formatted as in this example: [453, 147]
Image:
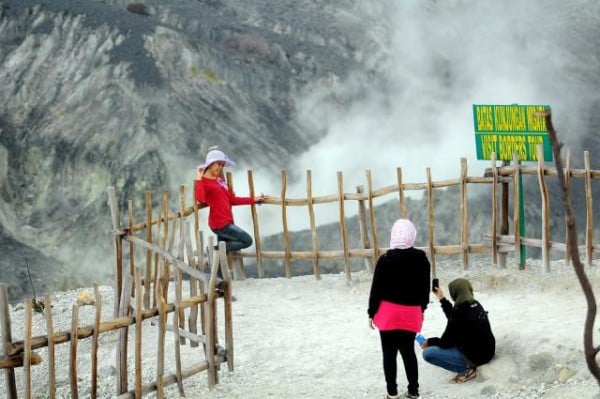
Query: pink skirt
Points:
[392, 316]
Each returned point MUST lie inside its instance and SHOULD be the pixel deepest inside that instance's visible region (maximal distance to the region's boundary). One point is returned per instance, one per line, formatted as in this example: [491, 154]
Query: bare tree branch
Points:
[588, 345]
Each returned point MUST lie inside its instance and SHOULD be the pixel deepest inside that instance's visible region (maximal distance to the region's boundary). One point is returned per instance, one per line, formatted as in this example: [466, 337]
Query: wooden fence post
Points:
[403, 211]
[115, 218]
[364, 232]
[95, 336]
[493, 230]
[504, 222]
[228, 311]
[211, 319]
[286, 233]
[516, 209]
[372, 217]
[313, 228]
[193, 314]
[138, 330]
[27, 352]
[431, 222]
[464, 223]
[148, 269]
[9, 373]
[51, 347]
[568, 188]
[589, 225]
[123, 336]
[131, 223]
[257, 243]
[545, 209]
[343, 232]
[74, 340]
[162, 330]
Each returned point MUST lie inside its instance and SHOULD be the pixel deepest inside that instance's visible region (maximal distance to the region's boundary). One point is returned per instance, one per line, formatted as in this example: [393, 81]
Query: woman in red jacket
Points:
[211, 189]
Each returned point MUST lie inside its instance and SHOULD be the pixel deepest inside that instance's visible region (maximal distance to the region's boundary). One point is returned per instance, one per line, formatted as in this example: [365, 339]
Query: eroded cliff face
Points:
[100, 93]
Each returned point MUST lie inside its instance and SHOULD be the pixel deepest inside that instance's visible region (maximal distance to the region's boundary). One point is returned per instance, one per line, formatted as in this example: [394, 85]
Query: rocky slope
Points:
[99, 93]
[102, 93]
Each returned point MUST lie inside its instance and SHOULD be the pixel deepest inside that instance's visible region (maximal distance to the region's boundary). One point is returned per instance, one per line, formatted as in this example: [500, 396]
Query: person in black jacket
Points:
[467, 341]
[399, 295]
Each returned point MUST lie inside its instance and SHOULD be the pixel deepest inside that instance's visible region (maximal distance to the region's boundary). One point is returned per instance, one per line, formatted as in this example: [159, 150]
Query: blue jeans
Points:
[448, 358]
[234, 237]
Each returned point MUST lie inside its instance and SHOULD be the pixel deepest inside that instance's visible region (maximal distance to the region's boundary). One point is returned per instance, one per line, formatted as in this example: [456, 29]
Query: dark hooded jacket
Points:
[468, 327]
[402, 276]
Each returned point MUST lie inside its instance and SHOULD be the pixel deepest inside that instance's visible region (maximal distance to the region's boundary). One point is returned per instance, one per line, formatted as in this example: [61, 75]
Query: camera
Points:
[435, 284]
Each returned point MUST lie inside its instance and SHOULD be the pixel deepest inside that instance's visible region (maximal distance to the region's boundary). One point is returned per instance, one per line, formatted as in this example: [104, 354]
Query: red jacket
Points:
[216, 195]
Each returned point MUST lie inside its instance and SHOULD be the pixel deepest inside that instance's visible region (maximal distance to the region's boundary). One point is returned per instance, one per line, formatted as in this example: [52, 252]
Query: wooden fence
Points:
[500, 240]
[142, 303]
[164, 233]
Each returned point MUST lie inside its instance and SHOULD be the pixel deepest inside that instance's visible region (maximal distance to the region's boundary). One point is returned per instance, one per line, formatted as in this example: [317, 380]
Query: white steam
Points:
[437, 59]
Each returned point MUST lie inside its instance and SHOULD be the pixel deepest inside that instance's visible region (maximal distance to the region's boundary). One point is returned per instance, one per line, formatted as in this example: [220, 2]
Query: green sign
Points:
[506, 129]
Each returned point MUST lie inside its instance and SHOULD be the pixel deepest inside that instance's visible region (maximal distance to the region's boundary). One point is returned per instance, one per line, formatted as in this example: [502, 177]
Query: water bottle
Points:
[420, 339]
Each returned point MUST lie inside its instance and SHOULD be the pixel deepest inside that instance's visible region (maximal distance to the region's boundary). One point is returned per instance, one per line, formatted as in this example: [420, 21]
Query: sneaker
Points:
[464, 376]
[409, 395]
[391, 396]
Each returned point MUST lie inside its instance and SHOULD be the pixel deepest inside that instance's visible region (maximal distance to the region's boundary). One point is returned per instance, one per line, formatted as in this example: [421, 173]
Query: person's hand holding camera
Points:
[439, 293]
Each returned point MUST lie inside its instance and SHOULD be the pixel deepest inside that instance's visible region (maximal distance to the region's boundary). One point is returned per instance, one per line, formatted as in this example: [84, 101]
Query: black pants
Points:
[404, 341]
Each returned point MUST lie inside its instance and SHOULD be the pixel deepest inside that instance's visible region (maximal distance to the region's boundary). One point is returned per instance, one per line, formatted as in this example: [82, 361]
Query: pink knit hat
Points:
[403, 234]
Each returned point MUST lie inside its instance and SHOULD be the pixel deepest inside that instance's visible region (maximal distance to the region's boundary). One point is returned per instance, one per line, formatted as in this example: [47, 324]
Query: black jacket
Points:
[401, 276]
[469, 330]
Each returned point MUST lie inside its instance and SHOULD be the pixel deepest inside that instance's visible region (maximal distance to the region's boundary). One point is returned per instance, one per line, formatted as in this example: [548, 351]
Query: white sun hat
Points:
[216, 156]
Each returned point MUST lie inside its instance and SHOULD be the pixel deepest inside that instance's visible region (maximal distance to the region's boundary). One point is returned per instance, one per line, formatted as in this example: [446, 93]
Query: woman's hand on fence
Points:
[261, 198]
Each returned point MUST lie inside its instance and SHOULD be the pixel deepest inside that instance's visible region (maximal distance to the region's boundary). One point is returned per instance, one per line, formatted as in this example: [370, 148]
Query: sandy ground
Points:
[303, 338]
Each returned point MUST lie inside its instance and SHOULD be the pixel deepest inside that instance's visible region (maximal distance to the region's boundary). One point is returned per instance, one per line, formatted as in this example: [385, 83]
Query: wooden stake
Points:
[464, 222]
[148, 277]
[51, 347]
[73, 353]
[516, 205]
[343, 232]
[286, 233]
[115, 218]
[403, 211]
[138, 332]
[123, 336]
[545, 209]
[567, 189]
[364, 231]
[372, 217]
[5, 328]
[494, 227]
[313, 228]
[589, 220]
[160, 357]
[27, 353]
[431, 222]
[257, 242]
[95, 337]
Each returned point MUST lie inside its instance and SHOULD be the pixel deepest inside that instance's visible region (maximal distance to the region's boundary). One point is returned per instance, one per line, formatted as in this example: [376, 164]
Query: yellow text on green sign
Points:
[508, 129]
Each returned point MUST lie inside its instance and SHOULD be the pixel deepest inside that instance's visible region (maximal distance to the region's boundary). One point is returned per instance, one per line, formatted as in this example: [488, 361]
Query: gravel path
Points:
[302, 338]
